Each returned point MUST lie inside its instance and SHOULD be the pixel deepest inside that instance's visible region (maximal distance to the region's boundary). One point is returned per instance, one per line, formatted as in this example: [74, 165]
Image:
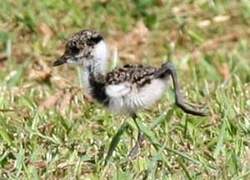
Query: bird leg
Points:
[166, 70]
[139, 142]
[169, 69]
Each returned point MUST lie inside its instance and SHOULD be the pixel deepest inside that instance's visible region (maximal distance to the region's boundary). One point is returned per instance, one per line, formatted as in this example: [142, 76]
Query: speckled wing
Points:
[119, 82]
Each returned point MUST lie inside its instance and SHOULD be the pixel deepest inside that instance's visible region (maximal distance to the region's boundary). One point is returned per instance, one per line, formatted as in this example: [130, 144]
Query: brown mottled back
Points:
[136, 74]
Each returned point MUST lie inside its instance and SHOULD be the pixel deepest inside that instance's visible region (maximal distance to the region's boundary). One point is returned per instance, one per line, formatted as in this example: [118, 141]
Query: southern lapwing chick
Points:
[127, 89]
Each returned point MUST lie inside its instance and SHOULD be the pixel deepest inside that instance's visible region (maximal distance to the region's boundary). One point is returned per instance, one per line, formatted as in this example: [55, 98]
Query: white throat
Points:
[100, 57]
[98, 64]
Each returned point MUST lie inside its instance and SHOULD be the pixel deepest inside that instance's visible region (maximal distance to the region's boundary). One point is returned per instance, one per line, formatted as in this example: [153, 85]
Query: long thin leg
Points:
[139, 142]
[169, 69]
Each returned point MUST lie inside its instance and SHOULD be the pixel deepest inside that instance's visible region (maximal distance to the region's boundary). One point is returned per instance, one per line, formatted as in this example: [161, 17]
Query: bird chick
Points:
[128, 89]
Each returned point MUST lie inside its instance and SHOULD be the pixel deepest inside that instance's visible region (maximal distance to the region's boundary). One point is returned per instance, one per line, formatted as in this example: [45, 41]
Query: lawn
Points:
[50, 129]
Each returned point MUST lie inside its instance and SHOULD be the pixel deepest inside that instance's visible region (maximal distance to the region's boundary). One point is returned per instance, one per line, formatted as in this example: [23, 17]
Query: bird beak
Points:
[62, 60]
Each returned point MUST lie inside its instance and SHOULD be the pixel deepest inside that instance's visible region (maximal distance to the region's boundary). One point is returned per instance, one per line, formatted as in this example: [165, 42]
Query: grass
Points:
[49, 130]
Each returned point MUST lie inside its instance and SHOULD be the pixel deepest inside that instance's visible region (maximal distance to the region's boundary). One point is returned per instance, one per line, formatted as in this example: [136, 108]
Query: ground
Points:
[50, 130]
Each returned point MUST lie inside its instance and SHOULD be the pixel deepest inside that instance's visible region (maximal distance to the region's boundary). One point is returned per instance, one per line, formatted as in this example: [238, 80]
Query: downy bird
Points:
[128, 89]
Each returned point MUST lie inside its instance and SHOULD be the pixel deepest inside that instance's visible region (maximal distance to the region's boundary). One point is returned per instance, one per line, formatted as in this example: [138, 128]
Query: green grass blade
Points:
[115, 140]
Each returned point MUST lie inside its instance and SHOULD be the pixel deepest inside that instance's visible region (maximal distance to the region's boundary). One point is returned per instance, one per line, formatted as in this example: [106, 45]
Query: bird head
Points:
[84, 48]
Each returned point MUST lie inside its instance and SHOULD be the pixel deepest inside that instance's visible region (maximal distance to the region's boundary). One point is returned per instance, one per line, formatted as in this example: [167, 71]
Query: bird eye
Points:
[74, 50]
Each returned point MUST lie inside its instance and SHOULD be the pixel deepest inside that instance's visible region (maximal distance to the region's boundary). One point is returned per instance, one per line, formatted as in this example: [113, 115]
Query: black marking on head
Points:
[94, 40]
[74, 49]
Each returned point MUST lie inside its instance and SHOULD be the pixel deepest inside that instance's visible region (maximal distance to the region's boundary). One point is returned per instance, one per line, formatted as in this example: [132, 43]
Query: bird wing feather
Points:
[118, 90]
[120, 81]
